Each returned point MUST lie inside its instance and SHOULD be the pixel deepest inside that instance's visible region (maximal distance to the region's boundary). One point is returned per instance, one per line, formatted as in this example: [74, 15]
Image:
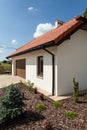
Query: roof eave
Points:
[46, 45]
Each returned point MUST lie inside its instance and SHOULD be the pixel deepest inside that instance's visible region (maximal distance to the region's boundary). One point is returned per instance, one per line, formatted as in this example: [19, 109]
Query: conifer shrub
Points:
[76, 90]
[11, 105]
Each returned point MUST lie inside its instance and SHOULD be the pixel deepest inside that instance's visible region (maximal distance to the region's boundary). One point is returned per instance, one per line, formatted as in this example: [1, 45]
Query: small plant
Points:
[41, 107]
[76, 90]
[12, 104]
[85, 96]
[57, 104]
[30, 85]
[71, 114]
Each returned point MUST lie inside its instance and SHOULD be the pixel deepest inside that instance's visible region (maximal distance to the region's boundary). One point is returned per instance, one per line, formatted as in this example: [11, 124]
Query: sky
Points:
[23, 20]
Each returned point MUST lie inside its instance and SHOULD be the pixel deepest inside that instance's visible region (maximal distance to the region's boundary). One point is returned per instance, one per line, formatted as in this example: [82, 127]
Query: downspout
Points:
[53, 70]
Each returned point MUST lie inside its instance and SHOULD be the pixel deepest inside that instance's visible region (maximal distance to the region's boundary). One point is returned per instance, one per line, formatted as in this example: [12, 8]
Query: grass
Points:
[6, 66]
[41, 107]
[57, 104]
[71, 114]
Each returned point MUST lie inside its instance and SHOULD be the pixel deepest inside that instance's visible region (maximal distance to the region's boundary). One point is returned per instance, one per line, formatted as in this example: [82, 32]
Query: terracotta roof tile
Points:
[55, 35]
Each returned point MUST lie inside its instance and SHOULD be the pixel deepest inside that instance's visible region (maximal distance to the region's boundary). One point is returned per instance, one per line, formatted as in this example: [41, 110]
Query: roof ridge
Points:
[76, 17]
[56, 35]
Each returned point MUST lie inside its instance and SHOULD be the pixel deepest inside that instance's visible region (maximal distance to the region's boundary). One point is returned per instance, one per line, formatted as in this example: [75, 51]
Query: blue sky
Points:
[20, 19]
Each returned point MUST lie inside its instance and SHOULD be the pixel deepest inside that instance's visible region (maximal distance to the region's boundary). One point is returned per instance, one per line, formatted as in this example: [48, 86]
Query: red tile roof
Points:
[56, 35]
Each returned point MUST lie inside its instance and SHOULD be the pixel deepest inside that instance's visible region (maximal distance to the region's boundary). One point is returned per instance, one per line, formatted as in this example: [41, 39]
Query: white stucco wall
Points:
[13, 67]
[31, 69]
[72, 62]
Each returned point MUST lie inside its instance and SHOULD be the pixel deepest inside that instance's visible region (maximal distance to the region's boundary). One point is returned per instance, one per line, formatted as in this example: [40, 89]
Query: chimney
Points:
[58, 23]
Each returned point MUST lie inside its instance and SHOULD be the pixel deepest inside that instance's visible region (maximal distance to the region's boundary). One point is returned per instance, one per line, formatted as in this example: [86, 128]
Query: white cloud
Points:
[43, 28]
[31, 9]
[14, 42]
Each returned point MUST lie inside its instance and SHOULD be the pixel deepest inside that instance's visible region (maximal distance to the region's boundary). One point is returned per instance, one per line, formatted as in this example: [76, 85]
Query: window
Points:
[40, 66]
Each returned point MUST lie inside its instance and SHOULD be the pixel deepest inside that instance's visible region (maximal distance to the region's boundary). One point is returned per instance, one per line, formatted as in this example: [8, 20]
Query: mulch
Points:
[50, 119]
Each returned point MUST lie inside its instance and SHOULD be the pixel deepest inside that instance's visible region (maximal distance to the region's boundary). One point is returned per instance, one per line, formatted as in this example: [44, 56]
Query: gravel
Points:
[50, 119]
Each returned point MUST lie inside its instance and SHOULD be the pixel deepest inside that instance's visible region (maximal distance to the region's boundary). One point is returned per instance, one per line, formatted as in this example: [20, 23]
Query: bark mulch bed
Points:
[32, 119]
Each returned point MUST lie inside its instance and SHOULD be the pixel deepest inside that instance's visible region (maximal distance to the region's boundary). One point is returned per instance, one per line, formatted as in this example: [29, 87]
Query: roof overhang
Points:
[46, 45]
[54, 37]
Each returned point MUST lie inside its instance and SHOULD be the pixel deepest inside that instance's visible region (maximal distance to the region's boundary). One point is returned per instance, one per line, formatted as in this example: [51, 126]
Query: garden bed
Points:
[33, 119]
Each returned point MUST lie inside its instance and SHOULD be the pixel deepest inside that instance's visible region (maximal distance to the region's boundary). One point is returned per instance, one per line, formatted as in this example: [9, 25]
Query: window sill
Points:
[40, 77]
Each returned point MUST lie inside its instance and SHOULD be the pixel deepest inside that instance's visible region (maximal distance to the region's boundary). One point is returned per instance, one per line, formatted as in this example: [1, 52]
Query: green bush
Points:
[71, 114]
[76, 90]
[11, 104]
[57, 104]
[41, 107]
[30, 85]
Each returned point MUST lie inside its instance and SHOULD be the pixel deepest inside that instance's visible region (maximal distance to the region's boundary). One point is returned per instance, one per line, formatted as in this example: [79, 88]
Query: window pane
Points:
[40, 66]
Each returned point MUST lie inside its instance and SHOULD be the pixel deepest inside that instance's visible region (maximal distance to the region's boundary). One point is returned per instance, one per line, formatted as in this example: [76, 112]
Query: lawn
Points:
[42, 113]
[6, 67]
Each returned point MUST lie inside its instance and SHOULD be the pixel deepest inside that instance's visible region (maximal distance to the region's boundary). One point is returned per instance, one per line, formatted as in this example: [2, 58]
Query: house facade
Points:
[53, 59]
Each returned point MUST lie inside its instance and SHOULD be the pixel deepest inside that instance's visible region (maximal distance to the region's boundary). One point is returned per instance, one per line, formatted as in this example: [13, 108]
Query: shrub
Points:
[57, 104]
[76, 90]
[11, 104]
[41, 107]
[71, 114]
[85, 96]
[30, 85]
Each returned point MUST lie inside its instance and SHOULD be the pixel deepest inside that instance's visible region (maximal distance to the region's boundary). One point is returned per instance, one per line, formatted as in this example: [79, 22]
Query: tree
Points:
[11, 105]
[4, 61]
[85, 13]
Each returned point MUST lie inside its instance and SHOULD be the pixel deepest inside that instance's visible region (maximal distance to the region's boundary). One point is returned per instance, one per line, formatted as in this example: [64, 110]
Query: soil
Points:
[50, 119]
